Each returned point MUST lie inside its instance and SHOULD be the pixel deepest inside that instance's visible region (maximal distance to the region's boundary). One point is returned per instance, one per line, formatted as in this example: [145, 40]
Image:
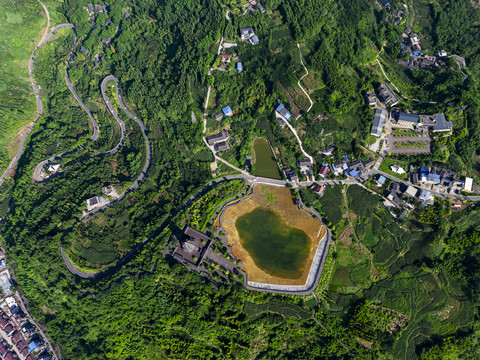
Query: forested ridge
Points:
[392, 293]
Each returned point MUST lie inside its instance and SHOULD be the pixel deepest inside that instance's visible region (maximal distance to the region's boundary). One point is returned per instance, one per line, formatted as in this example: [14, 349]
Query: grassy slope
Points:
[21, 26]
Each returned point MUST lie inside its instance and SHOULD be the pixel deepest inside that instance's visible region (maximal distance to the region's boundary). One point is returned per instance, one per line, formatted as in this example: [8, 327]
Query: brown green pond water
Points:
[265, 163]
[275, 247]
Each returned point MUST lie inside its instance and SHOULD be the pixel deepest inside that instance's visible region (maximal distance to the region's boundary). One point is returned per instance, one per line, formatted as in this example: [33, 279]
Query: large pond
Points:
[265, 163]
[277, 248]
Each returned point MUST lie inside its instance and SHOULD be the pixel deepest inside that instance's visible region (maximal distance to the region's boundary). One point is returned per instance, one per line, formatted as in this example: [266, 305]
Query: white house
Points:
[53, 167]
[397, 169]
[468, 184]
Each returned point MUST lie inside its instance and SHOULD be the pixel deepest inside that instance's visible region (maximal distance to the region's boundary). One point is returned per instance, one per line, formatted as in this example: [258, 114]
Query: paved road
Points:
[15, 159]
[71, 267]
[460, 61]
[37, 172]
[148, 148]
[251, 179]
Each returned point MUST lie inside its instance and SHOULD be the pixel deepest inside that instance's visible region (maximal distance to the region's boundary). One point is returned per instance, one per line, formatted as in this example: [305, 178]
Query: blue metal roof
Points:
[32, 346]
[226, 110]
[382, 179]
[416, 53]
[434, 178]
[283, 110]
[354, 172]
[239, 67]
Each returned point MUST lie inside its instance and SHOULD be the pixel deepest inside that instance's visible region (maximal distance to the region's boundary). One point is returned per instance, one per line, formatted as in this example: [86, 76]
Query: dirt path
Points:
[217, 158]
[396, 88]
[299, 84]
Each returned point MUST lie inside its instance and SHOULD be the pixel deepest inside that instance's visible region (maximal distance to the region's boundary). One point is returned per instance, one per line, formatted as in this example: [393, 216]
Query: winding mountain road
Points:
[252, 180]
[94, 137]
[243, 176]
[134, 186]
[42, 41]
[37, 172]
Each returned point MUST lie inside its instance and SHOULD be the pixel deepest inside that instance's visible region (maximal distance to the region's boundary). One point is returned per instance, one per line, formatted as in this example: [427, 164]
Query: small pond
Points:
[265, 163]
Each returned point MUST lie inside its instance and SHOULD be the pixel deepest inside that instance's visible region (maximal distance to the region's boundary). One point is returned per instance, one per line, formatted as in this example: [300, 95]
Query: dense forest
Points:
[388, 293]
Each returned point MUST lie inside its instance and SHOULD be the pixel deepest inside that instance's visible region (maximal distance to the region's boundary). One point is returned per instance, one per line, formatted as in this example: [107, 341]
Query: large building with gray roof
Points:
[378, 122]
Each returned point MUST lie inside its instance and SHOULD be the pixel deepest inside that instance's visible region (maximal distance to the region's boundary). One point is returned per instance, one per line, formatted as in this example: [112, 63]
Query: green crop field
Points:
[330, 204]
[17, 102]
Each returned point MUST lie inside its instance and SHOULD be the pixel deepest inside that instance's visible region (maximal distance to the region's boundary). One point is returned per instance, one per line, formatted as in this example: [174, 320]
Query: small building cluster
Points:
[441, 180]
[219, 141]
[318, 189]
[282, 114]
[290, 174]
[417, 58]
[418, 122]
[398, 17]
[425, 181]
[370, 98]
[305, 165]
[248, 34]
[387, 96]
[386, 4]
[209, 257]
[19, 338]
[251, 3]
[192, 246]
[352, 168]
[95, 202]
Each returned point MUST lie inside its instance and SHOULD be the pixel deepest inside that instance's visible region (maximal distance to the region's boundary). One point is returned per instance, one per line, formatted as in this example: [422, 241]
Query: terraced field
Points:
[379, 261]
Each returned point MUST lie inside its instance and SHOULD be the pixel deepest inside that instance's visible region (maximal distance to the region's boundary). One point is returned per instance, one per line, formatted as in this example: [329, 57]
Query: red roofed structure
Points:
[21, 344]
[9, 329]
[16, 337]
[324, 171]
[3, 322]
[225, 57]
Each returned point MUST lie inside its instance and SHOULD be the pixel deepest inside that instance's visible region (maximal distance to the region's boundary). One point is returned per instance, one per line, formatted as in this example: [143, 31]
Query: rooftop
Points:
[282, 110]
[222, 136]
[378, 122]
[227, 110]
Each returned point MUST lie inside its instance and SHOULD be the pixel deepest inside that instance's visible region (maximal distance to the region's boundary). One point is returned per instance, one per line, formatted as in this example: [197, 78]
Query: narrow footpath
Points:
[299, 81]
[396, 88]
